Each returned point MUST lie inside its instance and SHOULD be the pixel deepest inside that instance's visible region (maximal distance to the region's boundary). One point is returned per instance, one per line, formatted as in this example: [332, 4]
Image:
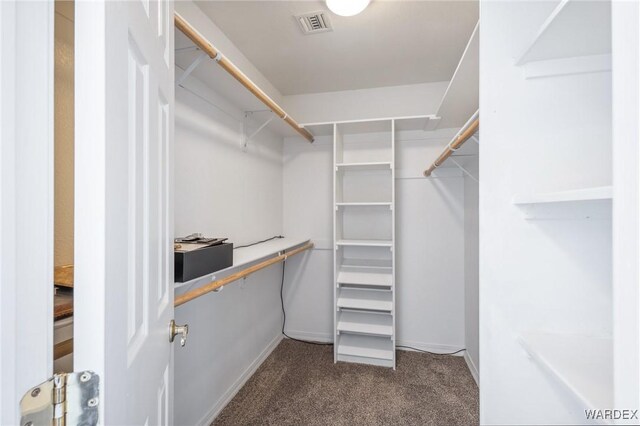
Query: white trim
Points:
[208, 418]
[472, 368]
[26, 199]
[626, 203]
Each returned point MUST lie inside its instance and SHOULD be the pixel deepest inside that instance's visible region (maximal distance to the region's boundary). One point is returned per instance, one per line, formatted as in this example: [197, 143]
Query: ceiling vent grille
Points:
[314, 22]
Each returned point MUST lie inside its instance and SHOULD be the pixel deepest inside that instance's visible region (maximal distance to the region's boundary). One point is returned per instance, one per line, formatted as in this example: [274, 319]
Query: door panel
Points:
[133, 151]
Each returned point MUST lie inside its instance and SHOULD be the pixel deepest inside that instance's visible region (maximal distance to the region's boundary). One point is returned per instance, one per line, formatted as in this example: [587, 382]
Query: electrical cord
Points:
[284, 316]
[259, 242]
[428, 352]
[284, 322]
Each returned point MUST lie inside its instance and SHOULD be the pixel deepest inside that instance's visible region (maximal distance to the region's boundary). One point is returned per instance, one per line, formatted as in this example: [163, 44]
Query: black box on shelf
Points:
[196, 263]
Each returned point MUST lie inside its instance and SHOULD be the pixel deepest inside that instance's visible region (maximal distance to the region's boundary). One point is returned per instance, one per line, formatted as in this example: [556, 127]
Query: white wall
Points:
[546, 134]
[430, 243]
[307, 198]
[381, 102]
[471, 269]
[430, 246]
[222, 191]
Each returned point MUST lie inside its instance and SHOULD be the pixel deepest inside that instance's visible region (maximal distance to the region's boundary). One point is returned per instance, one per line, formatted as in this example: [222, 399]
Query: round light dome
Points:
[347, 7]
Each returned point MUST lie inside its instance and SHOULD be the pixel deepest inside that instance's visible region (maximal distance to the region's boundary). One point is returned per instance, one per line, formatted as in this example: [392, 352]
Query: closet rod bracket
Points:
[465, 171]
[248, 139]
[191, 68]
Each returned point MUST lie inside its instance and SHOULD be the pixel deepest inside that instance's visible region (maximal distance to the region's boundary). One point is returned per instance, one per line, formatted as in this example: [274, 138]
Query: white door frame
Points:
[26, 200]
[626, 203]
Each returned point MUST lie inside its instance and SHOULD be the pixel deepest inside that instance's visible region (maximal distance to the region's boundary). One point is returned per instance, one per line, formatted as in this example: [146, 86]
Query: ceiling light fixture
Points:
[347, 7]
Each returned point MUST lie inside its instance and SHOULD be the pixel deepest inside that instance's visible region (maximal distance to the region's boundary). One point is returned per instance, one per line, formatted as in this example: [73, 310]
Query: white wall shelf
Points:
[366, 347]
[373, 165]
[362, 323]
[364, 204]
[567, 66]
[356, 302]
[585, 203]
[374, 277]
[461, 100]
[582, 364]
[574, 28]
[244, 256]
[365, 243]
[372, 264]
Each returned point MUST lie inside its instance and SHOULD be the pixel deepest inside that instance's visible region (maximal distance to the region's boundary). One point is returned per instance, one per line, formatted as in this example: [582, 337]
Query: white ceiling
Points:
[390, 43]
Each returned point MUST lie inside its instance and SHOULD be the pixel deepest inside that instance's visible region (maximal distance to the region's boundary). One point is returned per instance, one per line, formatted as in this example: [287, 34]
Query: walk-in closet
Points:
[320, 212]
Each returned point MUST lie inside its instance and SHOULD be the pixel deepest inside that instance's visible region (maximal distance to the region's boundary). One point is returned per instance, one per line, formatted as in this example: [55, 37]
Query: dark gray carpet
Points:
[300, 385]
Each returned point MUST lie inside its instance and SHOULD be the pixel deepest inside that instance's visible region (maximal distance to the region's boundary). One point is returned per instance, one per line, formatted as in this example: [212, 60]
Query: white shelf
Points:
[367, 347]
[365, 276]
[585, 203]
[368, 324]
[584, 194]
[365, 243]
[461, 99]
[364, 204]
[574, 28]
[372, 264]
[375, 165]
[583, 364]
[247, 255]
[365, 300]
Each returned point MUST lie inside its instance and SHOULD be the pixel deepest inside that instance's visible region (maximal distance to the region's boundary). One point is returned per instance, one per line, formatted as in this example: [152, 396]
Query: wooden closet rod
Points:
[456, 143]
[214, 54]
[213, 285]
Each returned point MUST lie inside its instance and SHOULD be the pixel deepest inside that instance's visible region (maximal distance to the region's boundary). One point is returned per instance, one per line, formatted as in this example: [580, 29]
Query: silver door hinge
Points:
[64, 399]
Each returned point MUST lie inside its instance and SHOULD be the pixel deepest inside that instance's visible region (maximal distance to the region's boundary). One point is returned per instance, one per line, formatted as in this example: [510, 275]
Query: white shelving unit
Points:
[364, 242]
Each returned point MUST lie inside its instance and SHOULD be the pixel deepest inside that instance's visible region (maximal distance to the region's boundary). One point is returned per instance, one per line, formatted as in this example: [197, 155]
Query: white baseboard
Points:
[307, 335]
[238, 384]
[472, 368]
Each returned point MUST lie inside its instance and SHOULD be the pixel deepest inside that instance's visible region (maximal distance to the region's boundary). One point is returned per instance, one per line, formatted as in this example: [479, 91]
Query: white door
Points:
[124, 224]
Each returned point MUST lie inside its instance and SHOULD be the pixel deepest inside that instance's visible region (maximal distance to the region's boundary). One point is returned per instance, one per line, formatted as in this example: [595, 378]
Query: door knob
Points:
[182, 330]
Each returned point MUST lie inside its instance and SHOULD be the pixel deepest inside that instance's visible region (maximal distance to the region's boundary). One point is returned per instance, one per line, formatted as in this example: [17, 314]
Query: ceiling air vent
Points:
[314, 22]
